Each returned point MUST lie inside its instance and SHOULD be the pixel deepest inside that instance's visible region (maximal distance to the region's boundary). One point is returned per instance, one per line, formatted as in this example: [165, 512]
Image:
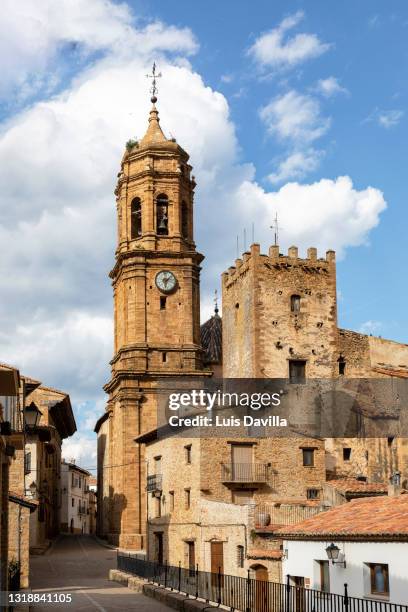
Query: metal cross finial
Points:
[216, 302]
[154, 76]
[275, 227]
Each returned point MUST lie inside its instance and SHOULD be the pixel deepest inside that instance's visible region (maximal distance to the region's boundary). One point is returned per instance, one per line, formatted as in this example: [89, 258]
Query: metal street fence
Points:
[248, 594]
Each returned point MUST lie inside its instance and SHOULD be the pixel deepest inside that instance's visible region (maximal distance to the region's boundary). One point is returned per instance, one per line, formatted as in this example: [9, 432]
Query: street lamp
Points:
[32, 416]
[333, 553]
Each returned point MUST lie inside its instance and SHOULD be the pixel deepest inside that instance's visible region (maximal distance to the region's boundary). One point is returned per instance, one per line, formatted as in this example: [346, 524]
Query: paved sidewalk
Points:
[79, 565]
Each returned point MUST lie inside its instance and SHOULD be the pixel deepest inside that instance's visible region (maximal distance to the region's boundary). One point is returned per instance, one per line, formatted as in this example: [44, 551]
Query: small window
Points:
[379, 579]
[346, 454]
[72, 502]
[313, 494]
[390, 441]
[342, 365]
[308, 457]
[162, 217]
[27, 462]
[171, 498]
[187, 450]
[157, 507]
[297, 372]
[295, 303]
[187, 498]
[240, 556]
[163, 300]
[136, 219]
[164, 357]
[157, 464]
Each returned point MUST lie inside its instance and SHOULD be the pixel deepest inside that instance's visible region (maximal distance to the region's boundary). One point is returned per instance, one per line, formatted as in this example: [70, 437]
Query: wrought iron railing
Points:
[154, 482]
[284, 514]
[12, 412]
[248, 594]
[245, 472]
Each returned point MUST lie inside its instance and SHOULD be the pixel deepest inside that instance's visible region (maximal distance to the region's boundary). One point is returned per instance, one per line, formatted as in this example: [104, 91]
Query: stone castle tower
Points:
[156, 313]
[280, 315]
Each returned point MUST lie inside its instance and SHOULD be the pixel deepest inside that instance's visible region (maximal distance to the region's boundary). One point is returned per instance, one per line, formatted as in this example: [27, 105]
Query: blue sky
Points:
[369, 57]
[275, 103]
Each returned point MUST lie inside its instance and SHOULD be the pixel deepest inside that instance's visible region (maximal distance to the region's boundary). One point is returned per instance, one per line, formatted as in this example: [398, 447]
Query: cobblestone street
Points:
[80, 565]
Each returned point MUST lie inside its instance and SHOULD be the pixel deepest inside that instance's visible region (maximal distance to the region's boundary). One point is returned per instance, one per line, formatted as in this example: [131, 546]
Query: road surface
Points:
[79, 565]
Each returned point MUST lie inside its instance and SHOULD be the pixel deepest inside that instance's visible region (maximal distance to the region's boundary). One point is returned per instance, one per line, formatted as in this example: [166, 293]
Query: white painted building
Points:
[75, 498]
[371, 537]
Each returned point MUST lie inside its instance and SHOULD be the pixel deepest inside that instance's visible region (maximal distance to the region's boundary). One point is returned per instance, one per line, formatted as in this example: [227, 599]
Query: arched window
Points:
[295, 303]
[136, 218]
[162, 214]
[184, 220]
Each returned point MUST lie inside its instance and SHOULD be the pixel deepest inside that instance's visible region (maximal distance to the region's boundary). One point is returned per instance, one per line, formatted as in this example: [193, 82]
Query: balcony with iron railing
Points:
[154, 483]
[268, 515]
[12, 413]
[251, 475]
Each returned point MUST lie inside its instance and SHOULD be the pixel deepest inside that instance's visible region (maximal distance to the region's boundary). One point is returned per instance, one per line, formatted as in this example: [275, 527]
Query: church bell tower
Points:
[156, 310]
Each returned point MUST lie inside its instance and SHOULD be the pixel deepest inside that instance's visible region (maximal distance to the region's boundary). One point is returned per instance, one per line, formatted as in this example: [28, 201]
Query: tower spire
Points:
[154, 132]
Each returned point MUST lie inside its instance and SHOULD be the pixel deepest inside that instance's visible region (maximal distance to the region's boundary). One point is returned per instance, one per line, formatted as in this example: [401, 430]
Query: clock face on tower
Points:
[166, 281]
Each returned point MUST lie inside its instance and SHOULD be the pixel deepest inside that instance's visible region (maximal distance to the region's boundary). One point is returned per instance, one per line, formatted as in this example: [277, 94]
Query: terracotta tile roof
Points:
[260, 553]
[376, 518]
[350, 486]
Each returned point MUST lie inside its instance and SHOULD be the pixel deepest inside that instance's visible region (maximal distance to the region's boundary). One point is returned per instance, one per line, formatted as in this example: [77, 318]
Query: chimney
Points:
[394, 485]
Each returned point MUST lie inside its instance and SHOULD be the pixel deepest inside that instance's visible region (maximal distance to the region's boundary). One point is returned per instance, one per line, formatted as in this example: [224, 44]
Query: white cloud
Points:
[295, 117]
[330, 87]
[371, 327]
[82, 449]
[385, 118]
[273, 50]
[390, 118]
[296, 166]
[35, 34]
[326, 214]
[58, 165]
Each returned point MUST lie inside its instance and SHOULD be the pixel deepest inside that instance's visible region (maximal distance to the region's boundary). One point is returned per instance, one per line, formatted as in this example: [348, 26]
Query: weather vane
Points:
[216, 302]
[275, 227]
[154, 76]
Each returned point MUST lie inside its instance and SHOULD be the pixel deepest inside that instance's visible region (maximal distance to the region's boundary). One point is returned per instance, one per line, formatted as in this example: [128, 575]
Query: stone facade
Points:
[19, 534]
[43, 461]
[103, 490]
[10, 409]
[186, 519]
[280, 310]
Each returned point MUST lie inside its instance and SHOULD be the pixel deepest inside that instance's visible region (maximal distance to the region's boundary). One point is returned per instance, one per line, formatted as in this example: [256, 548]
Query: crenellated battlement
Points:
[310, 263]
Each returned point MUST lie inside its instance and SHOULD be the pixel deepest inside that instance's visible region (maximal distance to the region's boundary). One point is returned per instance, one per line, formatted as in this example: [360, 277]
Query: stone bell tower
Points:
[156, 311]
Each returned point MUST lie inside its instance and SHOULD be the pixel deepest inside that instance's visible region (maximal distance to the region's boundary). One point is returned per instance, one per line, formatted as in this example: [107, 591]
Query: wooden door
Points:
[261, 589]
[241, 458]
[159, 548]
[191, 558]
[217, 563]
[217, 557]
